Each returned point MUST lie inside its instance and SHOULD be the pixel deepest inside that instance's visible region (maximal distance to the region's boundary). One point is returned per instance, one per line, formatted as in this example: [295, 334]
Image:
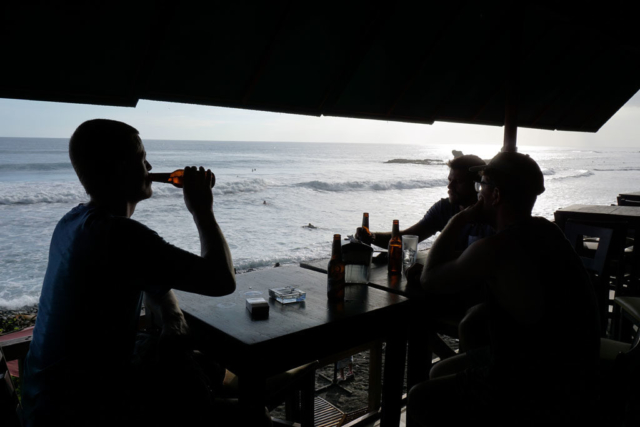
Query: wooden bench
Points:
[10, 408]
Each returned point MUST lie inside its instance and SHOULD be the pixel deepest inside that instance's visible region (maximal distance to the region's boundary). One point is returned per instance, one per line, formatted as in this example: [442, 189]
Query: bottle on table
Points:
[364, 233]
[335, 271]
[365, 222]
[176, 178]
[395, 249]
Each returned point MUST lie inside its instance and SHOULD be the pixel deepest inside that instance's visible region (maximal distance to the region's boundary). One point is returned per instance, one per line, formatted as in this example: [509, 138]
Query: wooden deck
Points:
[376, 423]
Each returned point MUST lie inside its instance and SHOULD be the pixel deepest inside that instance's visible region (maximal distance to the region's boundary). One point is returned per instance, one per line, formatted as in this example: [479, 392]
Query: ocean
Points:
[326, 185]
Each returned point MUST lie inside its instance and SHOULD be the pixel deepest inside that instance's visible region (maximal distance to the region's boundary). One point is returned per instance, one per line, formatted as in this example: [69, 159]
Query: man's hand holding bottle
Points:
[364, 235]
[198, 195]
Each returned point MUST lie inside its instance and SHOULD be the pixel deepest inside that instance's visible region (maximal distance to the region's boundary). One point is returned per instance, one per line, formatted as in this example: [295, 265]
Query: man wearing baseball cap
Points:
[543, 319]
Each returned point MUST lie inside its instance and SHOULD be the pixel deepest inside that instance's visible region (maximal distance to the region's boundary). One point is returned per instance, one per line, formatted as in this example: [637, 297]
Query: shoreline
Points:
[14, 320]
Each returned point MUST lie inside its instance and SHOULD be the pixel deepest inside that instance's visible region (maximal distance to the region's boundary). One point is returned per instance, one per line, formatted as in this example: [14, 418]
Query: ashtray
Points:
[287, 295]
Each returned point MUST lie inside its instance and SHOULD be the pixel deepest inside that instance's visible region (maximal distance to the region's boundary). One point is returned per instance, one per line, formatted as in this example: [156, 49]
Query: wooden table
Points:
[630, 196]
[295, 334]
[379, 278]
[629, 214]
[419, 357]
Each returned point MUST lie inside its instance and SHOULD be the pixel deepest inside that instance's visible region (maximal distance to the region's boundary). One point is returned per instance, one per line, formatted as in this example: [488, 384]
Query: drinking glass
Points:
[409, 250]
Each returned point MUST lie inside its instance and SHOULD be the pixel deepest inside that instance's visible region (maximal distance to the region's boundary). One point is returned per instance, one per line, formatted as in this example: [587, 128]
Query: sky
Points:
[164, 120]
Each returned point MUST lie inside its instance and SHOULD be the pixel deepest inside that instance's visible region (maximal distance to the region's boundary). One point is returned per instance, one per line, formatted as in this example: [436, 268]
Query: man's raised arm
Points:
[382, 239]
[198, 197]
[445, 271]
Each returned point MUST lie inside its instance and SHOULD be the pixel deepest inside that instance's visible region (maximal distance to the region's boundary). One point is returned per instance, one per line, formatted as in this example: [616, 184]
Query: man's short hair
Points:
[518, 177]
[96, 148]
[466, 162]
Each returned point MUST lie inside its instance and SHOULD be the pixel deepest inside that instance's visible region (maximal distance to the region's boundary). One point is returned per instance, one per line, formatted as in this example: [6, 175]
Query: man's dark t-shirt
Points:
[84, 337]
[439, 215]
[548, 365]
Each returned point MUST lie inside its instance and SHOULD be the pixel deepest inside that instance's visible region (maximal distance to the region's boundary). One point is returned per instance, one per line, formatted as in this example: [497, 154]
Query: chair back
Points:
[623, 394]
[596, 262]
[10, 408]
[576, 233]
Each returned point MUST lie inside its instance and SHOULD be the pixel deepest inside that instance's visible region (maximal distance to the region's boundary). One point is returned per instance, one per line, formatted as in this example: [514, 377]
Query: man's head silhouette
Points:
[110, 161]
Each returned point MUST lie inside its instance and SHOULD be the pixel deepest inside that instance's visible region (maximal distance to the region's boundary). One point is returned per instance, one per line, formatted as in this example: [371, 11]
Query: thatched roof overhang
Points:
[566, 67]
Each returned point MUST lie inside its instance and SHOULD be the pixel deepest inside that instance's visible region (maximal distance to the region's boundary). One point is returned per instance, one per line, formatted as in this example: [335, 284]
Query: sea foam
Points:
[39, 167]
[29, 193]
[373, 185]
[18, 302]
[571, 174]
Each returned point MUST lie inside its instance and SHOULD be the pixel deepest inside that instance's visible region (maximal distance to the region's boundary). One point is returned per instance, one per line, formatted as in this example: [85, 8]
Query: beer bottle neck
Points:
[365, 221]
[395, 230]
[336, 248]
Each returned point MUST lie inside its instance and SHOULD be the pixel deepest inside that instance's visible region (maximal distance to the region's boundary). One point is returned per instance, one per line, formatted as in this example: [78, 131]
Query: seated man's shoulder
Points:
[444, 202]
[502, 244]
[539, 228]
[442, 206]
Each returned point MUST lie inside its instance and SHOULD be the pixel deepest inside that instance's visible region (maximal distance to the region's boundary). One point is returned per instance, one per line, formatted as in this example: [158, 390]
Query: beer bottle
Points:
[395, 249]
[365, 222]
[335, 272]
[364, 233]
[176, 178]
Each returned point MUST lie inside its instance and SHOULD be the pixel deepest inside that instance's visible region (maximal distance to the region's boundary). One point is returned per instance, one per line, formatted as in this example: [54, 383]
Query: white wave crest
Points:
[373, 185]
[29, 193]
[19, 302]
[573, 174]
[548, 172]
[248, 186]
[36, 167]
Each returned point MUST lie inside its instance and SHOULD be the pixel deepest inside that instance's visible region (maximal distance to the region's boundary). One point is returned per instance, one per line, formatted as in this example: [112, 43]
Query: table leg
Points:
[252, 392]
[419, 357]
[307, 402]
[419, 352]
[375, 376]
[394, 363]
[634, 284]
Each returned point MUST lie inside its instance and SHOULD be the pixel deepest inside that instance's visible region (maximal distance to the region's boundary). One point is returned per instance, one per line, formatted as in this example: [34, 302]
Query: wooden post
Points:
[515, 16]
[375, 376]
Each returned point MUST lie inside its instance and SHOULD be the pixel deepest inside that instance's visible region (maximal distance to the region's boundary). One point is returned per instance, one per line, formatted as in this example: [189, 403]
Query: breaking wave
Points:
[19, 302]
[572, 174]
[248, 186]
[33, 193]
[373, 185]
[30, 193]
[39, 167]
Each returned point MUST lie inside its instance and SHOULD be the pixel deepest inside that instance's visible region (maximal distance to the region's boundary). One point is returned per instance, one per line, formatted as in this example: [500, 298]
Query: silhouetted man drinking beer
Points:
[78, 370]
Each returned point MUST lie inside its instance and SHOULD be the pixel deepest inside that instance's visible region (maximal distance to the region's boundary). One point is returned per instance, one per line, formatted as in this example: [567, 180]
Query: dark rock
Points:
[417, 162]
